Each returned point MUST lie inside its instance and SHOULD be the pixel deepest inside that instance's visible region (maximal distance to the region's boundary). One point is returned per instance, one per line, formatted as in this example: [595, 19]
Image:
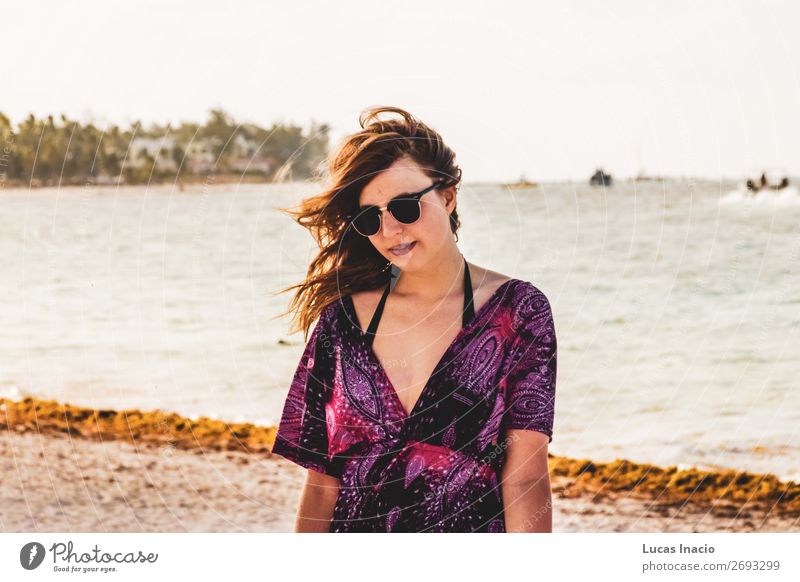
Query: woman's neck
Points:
[441, 277]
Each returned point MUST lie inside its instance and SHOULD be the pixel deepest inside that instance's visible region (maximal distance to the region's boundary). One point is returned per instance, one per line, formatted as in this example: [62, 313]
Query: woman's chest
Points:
[410, 358]
[459, 403]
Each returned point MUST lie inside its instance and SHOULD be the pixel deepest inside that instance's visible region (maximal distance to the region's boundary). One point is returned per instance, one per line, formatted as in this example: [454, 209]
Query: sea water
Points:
[677, 306]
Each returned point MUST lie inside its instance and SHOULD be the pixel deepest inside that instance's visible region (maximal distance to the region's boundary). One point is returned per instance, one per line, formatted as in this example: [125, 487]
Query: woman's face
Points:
[428, 234]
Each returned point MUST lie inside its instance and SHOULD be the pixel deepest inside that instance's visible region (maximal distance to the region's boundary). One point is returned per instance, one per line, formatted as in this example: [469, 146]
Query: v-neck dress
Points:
[437, 468]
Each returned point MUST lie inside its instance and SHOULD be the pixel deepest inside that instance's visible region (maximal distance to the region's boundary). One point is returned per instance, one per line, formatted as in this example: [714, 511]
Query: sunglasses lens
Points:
[368, 222]
[405, 210]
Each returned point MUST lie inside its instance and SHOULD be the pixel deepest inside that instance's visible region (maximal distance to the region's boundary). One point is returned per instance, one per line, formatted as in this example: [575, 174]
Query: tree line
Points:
[46, 151]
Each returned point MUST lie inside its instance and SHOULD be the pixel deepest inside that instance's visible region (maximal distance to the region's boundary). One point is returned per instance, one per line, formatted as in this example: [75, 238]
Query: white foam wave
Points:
[788, 196]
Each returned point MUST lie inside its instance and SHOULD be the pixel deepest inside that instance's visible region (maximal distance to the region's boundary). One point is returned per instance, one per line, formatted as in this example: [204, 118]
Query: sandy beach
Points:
[58, 474]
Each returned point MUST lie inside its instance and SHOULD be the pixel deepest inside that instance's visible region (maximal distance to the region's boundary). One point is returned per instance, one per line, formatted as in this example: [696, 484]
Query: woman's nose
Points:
[390, 226]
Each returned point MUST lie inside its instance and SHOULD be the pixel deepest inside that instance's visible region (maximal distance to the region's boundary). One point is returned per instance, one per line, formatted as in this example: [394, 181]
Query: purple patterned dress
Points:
[435, 469]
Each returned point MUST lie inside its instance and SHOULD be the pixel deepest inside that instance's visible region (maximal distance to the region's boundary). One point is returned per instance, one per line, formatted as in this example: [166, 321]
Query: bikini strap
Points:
[376, 317]
[469, 305]
[467, 315]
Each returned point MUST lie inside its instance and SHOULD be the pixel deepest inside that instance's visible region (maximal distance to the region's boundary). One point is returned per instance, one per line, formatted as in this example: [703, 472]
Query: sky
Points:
[548, 90]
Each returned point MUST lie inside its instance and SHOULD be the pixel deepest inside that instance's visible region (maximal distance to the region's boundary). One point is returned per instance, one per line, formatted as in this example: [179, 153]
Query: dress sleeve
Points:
[303, 431]
[530, 379]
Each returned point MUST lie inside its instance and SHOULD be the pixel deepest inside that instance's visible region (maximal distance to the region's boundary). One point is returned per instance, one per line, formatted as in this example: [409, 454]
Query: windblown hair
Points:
[347, 262]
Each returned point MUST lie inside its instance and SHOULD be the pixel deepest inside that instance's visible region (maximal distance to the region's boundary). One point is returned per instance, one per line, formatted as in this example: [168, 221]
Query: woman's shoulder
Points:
[530, 310]
[487, 283]
[527, 292]
[348, 306]
[515, 292]
[366, 299]
[524, 307]
[329, 314]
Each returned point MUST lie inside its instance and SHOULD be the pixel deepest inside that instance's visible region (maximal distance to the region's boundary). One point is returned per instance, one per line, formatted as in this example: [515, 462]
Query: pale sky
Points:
[551, 90]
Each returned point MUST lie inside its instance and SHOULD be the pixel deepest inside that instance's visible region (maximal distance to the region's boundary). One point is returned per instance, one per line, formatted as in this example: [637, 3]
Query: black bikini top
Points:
[467, 315]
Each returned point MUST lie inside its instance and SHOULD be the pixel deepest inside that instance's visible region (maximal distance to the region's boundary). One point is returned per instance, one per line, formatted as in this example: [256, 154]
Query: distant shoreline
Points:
[721, 493]
[187, 181]
[212, 179]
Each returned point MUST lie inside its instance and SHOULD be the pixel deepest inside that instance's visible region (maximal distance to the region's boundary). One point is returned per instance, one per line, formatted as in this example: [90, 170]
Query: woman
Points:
[423, 401]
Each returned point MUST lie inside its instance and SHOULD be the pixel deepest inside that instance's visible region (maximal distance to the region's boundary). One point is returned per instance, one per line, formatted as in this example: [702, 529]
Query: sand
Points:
[63, 483]
[65, 468]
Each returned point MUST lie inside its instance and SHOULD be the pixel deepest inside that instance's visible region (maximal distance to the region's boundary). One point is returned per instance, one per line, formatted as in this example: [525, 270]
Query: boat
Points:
[647, 178]
[600, 178]
[767, 186]
[773, 179]
[521, 183]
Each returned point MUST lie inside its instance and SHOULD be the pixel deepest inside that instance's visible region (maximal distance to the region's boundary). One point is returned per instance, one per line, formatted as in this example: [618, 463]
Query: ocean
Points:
[676, 303]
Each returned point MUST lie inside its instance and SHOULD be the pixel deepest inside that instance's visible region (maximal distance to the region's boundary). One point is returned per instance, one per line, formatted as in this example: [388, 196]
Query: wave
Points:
[788, 196]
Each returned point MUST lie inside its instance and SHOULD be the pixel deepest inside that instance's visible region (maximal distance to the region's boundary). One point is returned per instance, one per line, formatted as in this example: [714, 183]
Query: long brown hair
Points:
[347, 262]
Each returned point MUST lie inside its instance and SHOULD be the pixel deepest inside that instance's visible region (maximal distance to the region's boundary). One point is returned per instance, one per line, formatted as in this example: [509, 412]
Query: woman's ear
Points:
[449, 194]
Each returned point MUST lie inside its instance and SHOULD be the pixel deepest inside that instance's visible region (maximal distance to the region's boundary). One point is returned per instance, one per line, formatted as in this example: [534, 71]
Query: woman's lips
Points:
[399, 251]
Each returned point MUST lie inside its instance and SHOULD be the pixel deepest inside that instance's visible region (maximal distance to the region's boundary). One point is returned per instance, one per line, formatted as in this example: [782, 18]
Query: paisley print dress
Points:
[435, 469]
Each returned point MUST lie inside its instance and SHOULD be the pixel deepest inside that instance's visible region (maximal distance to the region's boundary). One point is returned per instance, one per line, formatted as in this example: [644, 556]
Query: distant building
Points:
[200, 156]
[145, 150]
[245, 157]
[250, 164]
[243, 146]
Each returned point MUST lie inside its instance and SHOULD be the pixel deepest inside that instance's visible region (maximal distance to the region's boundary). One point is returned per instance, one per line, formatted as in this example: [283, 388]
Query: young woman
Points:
[424, 398]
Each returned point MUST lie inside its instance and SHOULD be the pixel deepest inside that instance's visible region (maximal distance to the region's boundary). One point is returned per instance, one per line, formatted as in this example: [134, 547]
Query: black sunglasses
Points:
[406, 208]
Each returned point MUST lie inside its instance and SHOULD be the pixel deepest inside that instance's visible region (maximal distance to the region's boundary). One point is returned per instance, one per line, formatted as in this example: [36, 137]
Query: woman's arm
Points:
[525, 483]
[317, 500]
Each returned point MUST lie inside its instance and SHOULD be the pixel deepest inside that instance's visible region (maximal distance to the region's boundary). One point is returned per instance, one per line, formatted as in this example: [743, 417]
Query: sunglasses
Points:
[406, 208]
